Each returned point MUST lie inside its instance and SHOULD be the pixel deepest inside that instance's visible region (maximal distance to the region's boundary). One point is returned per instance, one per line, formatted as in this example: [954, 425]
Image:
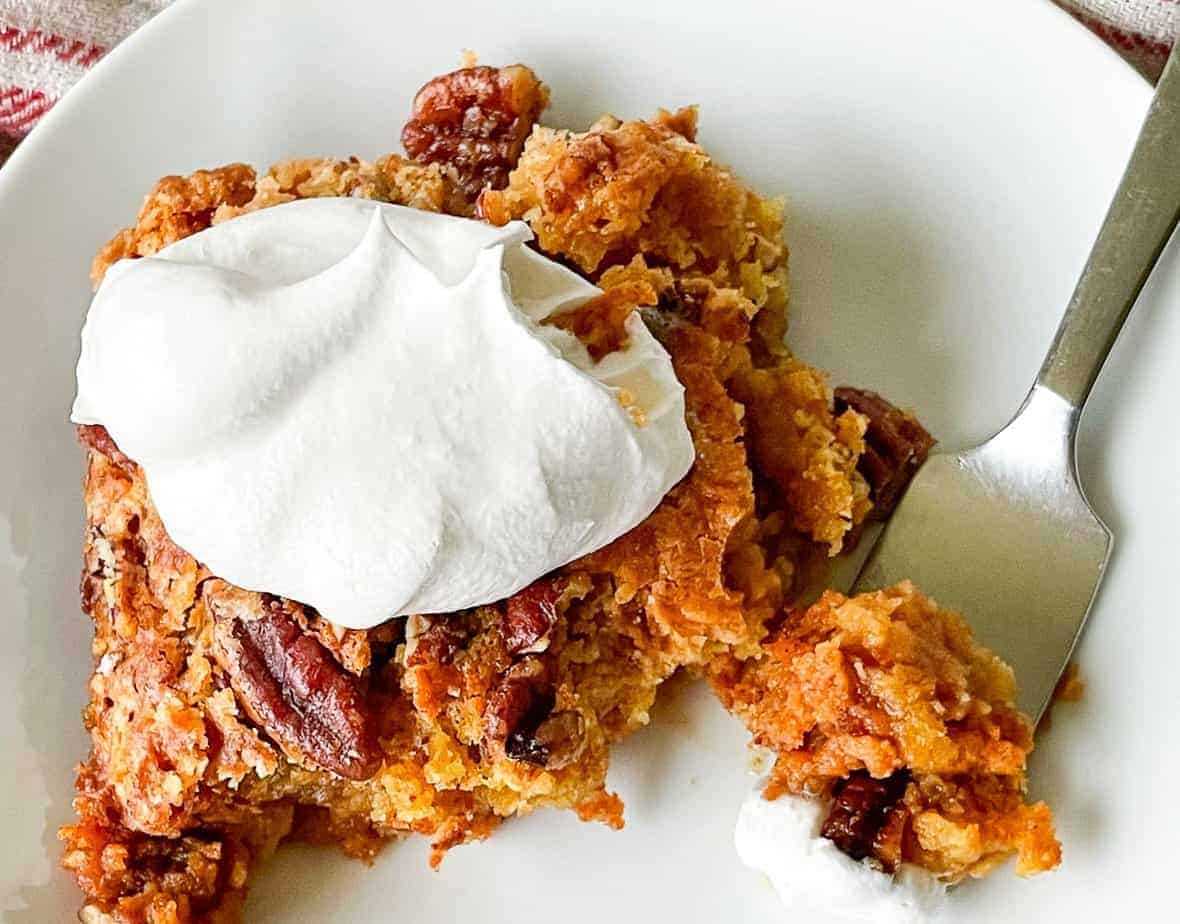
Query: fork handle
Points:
[1137, 226]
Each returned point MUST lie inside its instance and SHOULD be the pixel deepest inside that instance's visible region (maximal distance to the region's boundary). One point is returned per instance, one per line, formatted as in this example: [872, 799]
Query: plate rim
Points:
[76, 95]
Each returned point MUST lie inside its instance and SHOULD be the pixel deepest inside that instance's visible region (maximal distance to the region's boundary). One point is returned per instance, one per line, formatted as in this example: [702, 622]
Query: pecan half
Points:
[860, 808]
[289, 684]
[897, 445]
[531, 615]
[475, 120]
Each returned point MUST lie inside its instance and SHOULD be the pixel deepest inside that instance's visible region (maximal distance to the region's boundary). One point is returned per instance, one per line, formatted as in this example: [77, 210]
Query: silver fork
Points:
[1002, 532]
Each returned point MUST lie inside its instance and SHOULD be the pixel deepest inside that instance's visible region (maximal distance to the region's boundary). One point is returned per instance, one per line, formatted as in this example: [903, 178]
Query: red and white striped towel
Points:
[46, 45]
[1142, 31]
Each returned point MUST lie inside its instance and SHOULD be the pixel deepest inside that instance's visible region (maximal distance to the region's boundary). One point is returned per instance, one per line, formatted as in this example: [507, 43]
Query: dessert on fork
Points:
[328, 615]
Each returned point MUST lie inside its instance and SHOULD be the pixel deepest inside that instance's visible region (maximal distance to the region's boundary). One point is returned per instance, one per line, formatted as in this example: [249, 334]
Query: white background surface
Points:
[945, 173]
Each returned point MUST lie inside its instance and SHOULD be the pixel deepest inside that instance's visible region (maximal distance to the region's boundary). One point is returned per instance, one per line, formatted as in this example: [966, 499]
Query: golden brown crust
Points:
[808, 454]
[175, 208]
[180, 206]
[604, 196]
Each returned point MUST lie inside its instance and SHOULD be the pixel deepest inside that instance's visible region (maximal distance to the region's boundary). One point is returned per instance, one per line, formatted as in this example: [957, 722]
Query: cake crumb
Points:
[1070, 688]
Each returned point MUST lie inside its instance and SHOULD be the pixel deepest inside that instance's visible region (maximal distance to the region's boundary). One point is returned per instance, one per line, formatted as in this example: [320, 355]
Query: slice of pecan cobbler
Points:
[225, 721]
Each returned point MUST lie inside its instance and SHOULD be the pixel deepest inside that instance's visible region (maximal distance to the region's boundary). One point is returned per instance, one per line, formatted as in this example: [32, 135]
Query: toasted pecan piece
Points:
[896, 445]
[558, 740]
[861, 806]
[521, 719]
[521, 700]
[475, 120]
[530, 615]
[290, 685]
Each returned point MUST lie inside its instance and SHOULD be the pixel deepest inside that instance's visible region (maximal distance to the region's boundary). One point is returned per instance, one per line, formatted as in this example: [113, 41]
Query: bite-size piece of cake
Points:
[899, 733]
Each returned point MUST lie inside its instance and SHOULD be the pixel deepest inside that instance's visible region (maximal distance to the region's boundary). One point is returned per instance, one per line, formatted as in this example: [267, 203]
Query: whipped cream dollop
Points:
[814, 879]
[354, 405]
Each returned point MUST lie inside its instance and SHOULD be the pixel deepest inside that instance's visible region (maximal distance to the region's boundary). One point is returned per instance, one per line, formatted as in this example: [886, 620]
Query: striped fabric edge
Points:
[1146, 52]
[64, 49]
[20, 108]
[95, 22]
[45, 61]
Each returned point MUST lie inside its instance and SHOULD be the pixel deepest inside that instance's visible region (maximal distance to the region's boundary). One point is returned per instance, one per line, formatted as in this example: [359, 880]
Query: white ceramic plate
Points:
[946, 166]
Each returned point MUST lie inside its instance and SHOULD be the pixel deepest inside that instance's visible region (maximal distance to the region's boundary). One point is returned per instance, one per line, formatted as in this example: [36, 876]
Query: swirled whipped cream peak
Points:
[355, 405]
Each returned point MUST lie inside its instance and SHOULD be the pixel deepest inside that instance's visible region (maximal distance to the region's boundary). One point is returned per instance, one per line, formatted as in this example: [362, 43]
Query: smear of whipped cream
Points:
[353, 405]
[814, 879]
